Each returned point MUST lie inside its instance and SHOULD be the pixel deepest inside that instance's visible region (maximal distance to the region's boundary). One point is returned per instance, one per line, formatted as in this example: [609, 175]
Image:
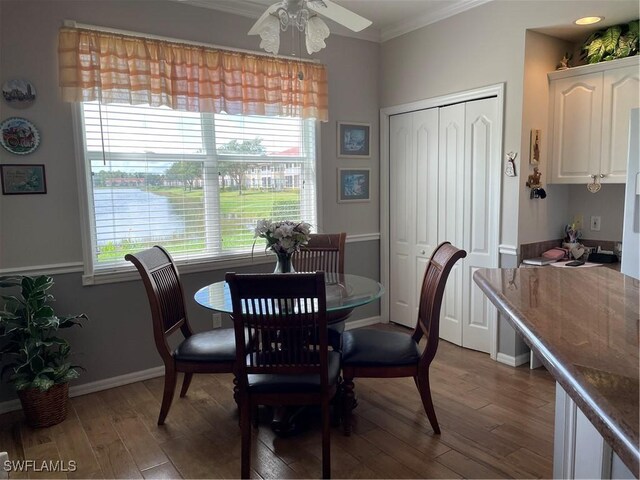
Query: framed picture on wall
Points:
[353, 185]
[354, 140]
[23, 179]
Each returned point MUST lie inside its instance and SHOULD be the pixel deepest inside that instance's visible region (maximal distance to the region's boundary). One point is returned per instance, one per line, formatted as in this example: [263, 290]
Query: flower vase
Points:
[283, 264]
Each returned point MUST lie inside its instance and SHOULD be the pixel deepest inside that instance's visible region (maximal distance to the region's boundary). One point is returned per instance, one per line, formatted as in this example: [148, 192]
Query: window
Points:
[196, 183]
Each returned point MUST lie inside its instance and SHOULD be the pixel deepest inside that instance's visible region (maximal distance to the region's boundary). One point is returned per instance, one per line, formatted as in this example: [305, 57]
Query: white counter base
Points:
[579, 451]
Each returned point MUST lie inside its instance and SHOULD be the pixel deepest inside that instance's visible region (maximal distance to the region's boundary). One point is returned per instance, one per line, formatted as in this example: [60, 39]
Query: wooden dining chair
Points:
[207, 352]
[325, 251]
[372, 353]
[288, 361]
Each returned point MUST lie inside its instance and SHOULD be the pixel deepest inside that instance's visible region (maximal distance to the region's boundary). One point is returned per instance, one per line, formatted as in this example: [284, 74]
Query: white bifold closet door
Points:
[444, 169]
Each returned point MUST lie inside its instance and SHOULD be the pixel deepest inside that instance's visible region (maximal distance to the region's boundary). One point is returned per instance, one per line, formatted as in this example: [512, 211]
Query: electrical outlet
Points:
[595, 223]
[217, 320]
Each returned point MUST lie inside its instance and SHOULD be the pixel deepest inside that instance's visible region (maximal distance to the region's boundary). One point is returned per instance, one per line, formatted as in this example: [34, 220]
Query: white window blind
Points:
[194, 183]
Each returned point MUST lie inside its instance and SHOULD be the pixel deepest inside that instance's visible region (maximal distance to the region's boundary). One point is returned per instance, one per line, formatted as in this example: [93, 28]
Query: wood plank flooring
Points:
[496, 422]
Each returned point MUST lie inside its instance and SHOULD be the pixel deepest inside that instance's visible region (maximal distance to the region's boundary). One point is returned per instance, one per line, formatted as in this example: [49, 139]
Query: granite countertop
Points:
[584, 325]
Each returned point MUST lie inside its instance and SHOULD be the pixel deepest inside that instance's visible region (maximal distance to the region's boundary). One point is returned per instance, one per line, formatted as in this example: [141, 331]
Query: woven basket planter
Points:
[43, 409]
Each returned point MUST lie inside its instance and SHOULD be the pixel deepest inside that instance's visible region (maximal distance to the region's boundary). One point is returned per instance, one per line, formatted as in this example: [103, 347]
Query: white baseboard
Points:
[362, 322]
[99, 385]
[96, 386]
[513, 361]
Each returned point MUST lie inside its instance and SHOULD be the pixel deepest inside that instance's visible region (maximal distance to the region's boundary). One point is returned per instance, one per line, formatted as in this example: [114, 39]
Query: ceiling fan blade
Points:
[255, 30]
[339, 14]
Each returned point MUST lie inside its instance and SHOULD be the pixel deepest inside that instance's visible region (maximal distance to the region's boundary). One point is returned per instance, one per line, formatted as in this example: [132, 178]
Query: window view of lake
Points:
[126, 214]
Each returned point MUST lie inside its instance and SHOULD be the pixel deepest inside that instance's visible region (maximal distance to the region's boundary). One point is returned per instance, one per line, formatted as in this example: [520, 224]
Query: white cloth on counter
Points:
[564, 264]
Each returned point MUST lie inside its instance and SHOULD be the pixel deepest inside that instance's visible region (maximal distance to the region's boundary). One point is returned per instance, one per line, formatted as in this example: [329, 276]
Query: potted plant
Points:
[37, 359]
[617, 41]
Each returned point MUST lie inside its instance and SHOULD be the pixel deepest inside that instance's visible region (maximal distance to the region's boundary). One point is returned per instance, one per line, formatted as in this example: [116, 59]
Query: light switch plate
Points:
[595, 223]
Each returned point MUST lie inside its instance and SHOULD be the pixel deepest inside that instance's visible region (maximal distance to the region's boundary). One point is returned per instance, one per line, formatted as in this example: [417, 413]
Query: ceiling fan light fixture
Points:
[315, 34]
[588, 20]
[303, 15]
[270, 34]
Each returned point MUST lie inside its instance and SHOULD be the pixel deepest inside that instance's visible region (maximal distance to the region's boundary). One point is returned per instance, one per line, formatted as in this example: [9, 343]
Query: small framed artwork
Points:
[18, 93]
[19, 136]
[353, 185]
[534, 154]
[354, 140]
[23, 179]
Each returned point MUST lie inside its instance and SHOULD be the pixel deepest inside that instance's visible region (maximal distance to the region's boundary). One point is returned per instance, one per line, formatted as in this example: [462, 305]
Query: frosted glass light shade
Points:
[270, 34]
[315, 34]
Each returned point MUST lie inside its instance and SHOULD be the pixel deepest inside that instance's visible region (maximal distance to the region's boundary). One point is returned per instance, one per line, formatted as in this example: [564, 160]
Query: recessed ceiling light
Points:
[588, 20]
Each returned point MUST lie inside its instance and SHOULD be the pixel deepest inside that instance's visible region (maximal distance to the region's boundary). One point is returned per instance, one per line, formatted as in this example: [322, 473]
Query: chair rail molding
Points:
[363, 237]
[51, 269]
[508, 250]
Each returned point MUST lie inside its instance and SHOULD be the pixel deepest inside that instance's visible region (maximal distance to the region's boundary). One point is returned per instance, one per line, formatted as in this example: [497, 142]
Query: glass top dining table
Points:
[344, 293]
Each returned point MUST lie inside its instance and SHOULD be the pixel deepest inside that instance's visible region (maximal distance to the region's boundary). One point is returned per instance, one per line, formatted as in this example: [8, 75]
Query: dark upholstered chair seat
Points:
[371, 353]
[294, 383]
[213, 346]
[370, 347]
[210, 352]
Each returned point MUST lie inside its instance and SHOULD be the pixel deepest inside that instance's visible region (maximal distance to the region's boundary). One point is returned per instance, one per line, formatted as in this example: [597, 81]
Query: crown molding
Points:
[252, 9]
[244, 8]
[419, 21]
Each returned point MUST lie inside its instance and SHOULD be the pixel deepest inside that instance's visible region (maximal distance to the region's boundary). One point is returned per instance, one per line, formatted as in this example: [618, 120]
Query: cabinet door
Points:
[402, 179]
[577, 127]
[451, 219]
[620, 95]
[425, 131]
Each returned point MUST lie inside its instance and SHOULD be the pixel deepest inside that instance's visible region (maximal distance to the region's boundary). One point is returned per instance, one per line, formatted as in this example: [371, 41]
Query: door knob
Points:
[602, 175]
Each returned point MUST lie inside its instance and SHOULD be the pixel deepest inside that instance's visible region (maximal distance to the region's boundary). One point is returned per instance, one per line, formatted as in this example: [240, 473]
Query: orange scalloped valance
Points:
[114, 68]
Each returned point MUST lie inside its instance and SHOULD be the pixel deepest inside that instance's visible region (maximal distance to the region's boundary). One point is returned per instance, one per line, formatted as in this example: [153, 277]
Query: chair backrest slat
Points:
[434, 281]
[325, 251]
[285, 319]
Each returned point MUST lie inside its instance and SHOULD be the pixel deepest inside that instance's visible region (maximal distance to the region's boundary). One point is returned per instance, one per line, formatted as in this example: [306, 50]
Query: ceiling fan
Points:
[303, 15]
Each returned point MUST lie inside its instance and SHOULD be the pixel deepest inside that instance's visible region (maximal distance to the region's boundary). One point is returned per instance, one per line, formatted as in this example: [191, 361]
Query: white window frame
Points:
[127, 272]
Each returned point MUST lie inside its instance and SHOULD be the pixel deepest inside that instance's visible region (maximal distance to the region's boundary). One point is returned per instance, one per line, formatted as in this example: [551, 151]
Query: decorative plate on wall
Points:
[19, 136]
[19, 93]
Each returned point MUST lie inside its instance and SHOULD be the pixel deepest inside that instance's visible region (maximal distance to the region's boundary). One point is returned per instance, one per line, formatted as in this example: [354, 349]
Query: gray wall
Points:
[39, 230]
[540, 219]
[608, 204]
[483, 46]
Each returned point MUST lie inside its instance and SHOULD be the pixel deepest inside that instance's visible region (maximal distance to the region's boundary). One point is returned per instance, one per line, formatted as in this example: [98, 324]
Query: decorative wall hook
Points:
[533, 182]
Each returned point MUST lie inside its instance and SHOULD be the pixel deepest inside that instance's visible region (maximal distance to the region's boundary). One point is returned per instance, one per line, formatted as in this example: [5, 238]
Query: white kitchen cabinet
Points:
[589, 121]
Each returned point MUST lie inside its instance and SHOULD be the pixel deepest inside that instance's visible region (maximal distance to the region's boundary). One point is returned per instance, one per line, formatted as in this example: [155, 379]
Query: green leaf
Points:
[45, 311]
[66, 322]
[43, 282]
[70, 375]
[21, 383]
[9, 281]
[42, 383]
[37, 364]
[610, 38]
[633, 27]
